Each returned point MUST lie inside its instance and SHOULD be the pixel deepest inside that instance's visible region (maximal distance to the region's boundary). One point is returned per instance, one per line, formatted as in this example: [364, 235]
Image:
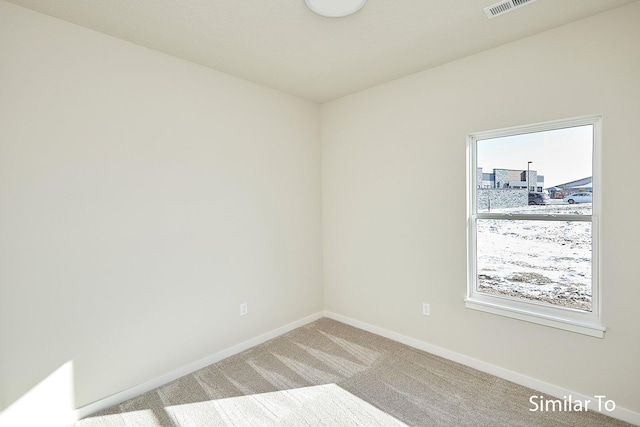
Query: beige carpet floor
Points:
[327, 373]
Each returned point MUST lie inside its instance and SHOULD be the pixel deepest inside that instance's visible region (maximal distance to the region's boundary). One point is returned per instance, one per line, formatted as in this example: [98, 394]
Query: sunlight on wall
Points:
[50, 403]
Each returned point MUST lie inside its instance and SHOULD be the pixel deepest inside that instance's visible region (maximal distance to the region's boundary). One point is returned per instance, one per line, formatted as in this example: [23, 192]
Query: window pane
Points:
[535, 169]
[542, 261]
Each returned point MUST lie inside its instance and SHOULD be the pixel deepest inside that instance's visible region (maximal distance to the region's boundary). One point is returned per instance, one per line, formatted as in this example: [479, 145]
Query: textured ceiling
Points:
[282, 44]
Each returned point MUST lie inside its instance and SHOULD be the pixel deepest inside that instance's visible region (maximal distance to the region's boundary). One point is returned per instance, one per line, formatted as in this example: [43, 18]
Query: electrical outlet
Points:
[426, 309]
[243, 309]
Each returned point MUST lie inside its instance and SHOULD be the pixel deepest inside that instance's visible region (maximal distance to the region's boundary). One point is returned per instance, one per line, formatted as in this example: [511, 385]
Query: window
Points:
[533, 208]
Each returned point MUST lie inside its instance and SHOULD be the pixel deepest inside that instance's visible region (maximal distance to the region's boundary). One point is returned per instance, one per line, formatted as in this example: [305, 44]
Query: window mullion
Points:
[533, 217]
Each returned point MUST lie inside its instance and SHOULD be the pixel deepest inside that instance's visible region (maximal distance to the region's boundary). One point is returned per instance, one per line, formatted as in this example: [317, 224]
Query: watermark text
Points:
[600, 403]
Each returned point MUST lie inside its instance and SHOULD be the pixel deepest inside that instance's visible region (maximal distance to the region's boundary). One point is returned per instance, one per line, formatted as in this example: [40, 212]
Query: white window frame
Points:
[588, 323]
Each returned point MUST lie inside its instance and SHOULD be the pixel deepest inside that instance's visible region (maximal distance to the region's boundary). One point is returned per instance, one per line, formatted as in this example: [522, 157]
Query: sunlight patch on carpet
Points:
[364, 354]
[144, 417]
[339, 364]
[318, 405]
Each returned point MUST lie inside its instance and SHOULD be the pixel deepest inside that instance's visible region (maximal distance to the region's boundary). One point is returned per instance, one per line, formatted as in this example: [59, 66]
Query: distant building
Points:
[510, 178]
[580, 185]
[584, 184]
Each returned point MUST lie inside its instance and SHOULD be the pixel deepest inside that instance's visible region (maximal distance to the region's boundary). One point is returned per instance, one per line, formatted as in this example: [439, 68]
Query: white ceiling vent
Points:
[505, 6]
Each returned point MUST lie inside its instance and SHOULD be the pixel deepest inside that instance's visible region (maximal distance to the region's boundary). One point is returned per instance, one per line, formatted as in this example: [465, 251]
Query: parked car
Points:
[578, 198]
[538, 199]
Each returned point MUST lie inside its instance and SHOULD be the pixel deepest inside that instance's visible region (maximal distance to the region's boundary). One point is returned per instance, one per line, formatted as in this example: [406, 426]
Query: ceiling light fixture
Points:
[335, 8]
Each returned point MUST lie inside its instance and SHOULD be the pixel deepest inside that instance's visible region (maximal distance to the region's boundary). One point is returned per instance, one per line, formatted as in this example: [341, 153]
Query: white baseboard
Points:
[139, 389]
[524, 380]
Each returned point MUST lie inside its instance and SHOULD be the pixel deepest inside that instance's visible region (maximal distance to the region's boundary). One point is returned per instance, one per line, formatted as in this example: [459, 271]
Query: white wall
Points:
[142, 199]
[394, 228]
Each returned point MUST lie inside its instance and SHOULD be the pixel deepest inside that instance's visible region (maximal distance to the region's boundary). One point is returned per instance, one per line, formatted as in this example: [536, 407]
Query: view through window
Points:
[532, 216]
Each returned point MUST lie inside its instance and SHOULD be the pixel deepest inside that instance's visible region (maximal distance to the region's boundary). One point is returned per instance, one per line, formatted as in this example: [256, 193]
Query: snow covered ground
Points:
[544, 261]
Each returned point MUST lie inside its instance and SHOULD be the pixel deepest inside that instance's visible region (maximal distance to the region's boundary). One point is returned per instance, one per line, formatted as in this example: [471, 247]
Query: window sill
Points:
[591, 328]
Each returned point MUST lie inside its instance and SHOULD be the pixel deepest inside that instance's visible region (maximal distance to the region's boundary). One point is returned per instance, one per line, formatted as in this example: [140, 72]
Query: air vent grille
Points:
[505, 6]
